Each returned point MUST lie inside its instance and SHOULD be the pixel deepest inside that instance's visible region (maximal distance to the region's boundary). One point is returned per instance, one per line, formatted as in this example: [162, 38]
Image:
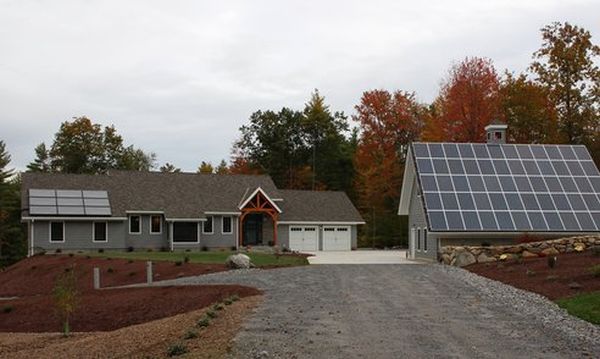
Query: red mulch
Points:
[110, 309]
[552, 283]
[36, 275]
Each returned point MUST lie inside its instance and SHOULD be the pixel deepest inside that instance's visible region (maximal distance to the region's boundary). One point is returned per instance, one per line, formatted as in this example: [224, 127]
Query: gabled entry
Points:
[254, 208]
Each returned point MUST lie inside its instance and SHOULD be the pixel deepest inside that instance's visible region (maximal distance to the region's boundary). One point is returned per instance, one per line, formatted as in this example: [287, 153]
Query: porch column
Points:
[274, 218]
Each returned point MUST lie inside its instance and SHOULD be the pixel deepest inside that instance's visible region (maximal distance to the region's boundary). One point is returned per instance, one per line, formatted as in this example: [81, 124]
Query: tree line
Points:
[556, 100]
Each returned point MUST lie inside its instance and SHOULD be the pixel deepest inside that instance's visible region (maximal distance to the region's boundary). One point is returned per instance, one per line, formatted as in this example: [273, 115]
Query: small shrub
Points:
[178, 263]
[552, 261]
[190, 334]
[530, 273]
[188, 250]
[552, 278]
[285, 250]
[271, 243]
[131, 274]
[164, 249]
[218, 306]
[100, 250]
[130, 249]
[108, 258]
[234, 298]
[176, 350]
[227, 301]
[149, 250]
[211, 314]
[88, 257]
[595, 270]
[110, 270]
[233, 248]
[186, 259]
[58, 251]
[203, 322]
[130, 261]
[71, 254]
[204, 249]
[7, 309]
[66, 298]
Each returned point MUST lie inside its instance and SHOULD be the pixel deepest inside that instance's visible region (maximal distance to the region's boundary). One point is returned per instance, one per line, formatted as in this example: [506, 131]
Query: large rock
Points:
[484, 258]
[527, 254]
[238, 261]
[464, 259]
[550, 251]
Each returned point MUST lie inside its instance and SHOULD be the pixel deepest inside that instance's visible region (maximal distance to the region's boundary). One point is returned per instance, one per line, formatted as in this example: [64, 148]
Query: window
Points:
[498, 135]
[135, 225]
[155, 224]
[185, 232]
[207, 227]
[425, 239]
[226, 225]
[100, 233]
[419, 239]
[57, 231]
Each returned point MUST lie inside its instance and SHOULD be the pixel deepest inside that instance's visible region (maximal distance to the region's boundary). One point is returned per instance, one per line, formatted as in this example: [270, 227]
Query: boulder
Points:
[464, 259]
[238, 261]
[527, 254]
[550, 251]
[484, 258]
[446, 258]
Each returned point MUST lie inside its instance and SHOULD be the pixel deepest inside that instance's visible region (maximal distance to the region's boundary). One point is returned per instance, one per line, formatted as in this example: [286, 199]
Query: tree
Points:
[66, 297]
[12, 232]
[41, 163]
[169, 168]
[206, 168]
[81, 146]
[528, 111]
[388, 123]
[222, 168]
[468, 100]
[565, 64]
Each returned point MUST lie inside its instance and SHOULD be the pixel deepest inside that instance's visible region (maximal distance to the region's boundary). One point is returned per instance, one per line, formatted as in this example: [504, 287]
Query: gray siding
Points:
[283, 235]
[78, 236]
[145, 239]
[218, 239]
[416, 219]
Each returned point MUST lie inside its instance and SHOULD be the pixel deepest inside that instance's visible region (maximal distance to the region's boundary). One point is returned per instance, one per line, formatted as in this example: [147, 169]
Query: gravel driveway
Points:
[400, 311]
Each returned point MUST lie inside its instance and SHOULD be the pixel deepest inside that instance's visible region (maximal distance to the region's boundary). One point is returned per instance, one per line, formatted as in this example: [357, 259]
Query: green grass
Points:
[210, 257]
[585, 306]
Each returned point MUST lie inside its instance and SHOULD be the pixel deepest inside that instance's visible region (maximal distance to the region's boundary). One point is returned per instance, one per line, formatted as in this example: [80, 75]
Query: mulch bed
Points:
[110, 309]
[36, 275]
[552, 283]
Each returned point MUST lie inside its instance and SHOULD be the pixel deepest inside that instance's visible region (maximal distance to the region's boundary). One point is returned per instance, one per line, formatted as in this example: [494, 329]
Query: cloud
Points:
[179, 78]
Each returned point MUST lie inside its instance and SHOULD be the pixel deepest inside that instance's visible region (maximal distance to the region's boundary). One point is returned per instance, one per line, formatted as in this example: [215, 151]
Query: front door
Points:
[253, 230]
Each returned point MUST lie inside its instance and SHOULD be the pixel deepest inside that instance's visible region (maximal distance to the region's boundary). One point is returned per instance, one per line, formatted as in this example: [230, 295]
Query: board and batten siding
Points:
[416, 219]
[78, 236]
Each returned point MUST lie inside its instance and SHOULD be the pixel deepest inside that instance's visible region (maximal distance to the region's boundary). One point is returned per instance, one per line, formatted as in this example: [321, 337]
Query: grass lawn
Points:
[585, 306]
[210, 257]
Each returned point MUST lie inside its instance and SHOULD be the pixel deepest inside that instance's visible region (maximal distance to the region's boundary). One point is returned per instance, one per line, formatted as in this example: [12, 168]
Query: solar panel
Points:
[505, 187]
[69, 202]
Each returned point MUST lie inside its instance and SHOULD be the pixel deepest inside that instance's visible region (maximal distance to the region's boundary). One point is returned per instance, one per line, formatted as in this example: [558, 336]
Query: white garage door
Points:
[304, 239]
[336, 239]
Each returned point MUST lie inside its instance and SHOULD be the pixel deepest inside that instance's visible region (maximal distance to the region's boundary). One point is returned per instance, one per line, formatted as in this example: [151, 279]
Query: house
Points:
[141, 210]
[496, 193]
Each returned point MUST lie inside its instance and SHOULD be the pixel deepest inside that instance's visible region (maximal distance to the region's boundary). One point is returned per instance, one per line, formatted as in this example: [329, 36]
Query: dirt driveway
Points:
[400, 311]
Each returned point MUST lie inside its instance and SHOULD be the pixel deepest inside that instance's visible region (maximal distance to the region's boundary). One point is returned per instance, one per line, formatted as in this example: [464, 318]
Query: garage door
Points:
[336, 239]
[304, 239]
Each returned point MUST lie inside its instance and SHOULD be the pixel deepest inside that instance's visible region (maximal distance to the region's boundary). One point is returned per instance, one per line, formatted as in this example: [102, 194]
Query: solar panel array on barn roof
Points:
[504, 187]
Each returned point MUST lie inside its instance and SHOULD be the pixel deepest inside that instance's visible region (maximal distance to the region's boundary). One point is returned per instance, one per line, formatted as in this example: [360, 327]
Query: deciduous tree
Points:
[169, 168]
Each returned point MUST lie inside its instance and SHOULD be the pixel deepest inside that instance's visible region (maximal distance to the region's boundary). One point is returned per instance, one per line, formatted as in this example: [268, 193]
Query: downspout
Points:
[171, 235]
[237, 235]
[31, 249]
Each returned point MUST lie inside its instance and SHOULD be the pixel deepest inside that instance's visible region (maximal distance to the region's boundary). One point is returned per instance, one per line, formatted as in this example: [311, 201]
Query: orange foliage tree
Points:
[388, 123]
[468, 101]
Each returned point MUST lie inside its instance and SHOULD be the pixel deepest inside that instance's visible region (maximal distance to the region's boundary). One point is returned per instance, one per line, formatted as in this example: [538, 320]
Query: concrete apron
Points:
[360, 257]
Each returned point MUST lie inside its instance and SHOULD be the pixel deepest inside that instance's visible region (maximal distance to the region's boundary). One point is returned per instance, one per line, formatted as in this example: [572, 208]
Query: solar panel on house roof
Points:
[505, 187]
[69, 202]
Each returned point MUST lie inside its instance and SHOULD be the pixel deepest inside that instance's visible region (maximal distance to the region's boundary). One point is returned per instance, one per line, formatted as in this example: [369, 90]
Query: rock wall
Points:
[464, 255]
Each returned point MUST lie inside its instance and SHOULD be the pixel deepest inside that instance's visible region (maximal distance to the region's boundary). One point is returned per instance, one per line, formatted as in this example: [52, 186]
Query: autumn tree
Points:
[527, 110]
[206, 168]
[566, 65]
[81, 146]
[222, 168]
[169, 168]
[468, 101]
[389, 122]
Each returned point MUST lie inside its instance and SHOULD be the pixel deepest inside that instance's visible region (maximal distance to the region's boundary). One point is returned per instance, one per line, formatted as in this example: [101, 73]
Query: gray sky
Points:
[180, 77]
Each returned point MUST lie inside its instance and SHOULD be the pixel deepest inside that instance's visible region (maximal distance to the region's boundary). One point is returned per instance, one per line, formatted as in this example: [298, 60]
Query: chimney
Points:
[496, 132]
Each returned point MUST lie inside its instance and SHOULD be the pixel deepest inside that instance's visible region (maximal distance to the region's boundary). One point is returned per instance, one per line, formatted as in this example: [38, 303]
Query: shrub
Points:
[88, 257]
[110, 270]
[204, 249]
[203, 322]
[164, 249]
[211, 314]
[218, 306]
[227, 301]
[188, 250]
[271, 243]
[130, 249]
[190, 334]
[178, 263]
[130, 261]
[234, 298]
[176, 350]
[71, 254]
[100, 250]
[285, 250]
[186, 259]
[7, 309]
[552, 261]
[530, 273]
[595, 270]
[58, 251]
[131, 274]
[149, 250]
[233, 248]
[66, 297]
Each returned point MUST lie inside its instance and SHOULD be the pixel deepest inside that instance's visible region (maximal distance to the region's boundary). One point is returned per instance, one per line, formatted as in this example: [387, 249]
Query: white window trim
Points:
[223, 225]
[161, 224]
[129, 224]
[50, 232]
[94, 232]
[213, 225]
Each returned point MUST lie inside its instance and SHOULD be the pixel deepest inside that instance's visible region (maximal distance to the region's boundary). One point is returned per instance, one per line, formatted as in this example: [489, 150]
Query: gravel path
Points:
[393, 311]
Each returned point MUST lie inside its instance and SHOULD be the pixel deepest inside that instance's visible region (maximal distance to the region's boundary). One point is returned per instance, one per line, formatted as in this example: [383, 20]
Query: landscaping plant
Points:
[552, 261]
[66, 297]
[176, 350]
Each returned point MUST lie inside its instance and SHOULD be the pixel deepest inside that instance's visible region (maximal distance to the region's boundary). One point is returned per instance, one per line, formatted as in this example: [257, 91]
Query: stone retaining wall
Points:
[464, 255]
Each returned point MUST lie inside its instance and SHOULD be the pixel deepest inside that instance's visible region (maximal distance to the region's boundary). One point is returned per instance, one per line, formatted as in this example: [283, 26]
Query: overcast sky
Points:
[180, 77]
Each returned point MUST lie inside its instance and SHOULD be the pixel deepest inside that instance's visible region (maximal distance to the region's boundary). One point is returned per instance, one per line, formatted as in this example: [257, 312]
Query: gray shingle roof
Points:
[325, 206]
[179, 195]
